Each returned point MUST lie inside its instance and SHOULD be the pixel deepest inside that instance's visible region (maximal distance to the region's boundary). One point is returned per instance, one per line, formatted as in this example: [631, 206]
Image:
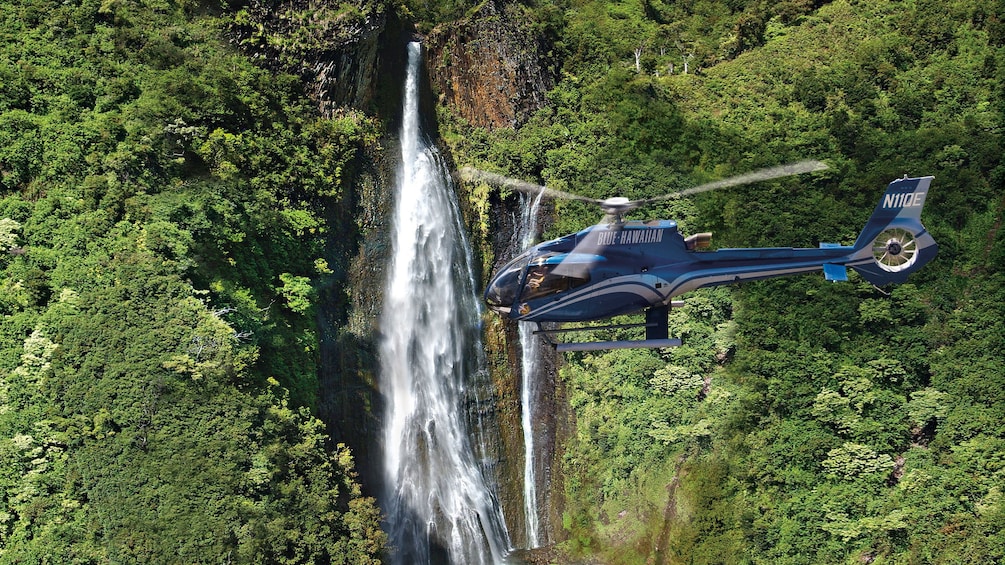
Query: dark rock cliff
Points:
[349, 399]
[489, 69]
[336, 47]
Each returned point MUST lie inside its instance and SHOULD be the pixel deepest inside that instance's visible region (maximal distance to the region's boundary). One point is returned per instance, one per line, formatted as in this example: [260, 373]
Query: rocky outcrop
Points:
[488, 69]
[336, 47]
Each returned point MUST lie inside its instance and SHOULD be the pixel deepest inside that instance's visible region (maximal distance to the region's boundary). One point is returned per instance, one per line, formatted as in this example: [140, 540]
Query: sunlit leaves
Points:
[8, 234]
[853, 460]
[927, 406]
[674, 378]
[297, 291]
[37, 356]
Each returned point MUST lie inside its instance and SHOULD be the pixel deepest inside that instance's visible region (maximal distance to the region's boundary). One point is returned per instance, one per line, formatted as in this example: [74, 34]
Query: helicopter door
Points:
[542, 280]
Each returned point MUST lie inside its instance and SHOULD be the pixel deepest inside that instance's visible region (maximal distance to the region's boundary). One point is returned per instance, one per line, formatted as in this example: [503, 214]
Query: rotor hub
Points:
[616, 205]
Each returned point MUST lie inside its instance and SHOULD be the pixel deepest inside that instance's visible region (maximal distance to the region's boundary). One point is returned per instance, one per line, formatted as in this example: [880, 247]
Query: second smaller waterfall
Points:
[530, 353]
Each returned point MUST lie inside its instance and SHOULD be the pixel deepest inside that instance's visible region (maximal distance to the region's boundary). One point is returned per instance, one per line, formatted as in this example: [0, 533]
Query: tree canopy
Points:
[162, 238]
[162, 224]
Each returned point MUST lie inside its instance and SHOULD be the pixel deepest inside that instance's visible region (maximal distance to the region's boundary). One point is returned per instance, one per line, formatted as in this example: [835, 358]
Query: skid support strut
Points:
[657, 334]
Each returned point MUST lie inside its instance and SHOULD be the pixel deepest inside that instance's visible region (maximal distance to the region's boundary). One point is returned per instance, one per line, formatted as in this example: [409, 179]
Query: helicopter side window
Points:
[543, 281]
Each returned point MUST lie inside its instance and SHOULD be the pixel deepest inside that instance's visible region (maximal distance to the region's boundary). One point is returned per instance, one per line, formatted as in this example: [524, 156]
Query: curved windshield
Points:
[503, 289]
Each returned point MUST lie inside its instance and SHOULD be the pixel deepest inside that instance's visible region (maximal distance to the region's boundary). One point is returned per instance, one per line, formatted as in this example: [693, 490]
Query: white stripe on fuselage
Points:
[633, 284]
[629, 284]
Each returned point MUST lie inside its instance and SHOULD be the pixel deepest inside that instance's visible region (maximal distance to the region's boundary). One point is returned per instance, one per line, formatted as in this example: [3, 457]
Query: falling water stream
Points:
[439, 506]
[530, 346]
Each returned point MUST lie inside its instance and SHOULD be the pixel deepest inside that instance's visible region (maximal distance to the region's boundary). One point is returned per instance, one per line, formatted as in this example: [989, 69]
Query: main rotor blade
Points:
[759, 175]
[471, 173]
[617, 206]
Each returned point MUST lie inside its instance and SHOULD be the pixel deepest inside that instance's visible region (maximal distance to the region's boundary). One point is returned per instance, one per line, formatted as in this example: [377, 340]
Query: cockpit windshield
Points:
[529, 278]
[503, 290]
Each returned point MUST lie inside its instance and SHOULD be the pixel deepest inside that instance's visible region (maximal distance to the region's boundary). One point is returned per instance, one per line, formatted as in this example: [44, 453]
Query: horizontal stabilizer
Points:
[834, 272]
[605, 345]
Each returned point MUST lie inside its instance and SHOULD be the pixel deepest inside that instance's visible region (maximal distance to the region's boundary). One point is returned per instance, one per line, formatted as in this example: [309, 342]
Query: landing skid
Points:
[605, 345]
[657, 334]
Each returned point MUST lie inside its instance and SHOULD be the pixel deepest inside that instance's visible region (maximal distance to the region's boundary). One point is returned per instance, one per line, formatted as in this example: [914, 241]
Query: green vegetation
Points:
[161, 225]
[162, 232]
[803, 421]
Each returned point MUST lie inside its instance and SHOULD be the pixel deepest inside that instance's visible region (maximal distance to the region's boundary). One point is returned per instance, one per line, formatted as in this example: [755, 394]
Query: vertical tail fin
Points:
[894, 243]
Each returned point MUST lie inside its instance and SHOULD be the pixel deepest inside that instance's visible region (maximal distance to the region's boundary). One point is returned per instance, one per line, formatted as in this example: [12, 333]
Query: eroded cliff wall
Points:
[489, 68]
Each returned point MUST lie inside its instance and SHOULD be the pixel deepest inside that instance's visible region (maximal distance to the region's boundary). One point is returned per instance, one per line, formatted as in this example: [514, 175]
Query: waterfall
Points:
[439, 507]
[530, 346]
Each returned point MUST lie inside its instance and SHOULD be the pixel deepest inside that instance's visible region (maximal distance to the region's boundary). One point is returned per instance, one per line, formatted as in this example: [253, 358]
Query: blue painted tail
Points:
[894, 243]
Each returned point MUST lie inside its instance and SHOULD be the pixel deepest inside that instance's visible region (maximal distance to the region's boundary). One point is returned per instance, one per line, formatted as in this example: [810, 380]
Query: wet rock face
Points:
[489, 68]
[349, 398]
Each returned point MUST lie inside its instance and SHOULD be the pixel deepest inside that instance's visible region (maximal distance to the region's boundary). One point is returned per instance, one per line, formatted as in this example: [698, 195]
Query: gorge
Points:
[480, 418]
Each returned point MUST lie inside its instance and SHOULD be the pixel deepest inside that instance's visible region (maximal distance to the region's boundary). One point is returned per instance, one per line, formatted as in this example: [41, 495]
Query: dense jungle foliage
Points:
[162, 229]
[803, 421]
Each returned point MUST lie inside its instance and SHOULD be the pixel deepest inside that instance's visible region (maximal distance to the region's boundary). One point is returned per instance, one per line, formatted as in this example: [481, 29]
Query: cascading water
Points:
[439, 506]
[530, 352]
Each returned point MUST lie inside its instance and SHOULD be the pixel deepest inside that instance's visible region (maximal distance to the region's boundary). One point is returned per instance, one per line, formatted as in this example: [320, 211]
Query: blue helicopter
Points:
[620, 267]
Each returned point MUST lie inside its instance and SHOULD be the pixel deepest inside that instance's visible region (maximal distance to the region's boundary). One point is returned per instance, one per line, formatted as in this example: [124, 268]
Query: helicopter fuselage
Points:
[614, 269]
[624, 267]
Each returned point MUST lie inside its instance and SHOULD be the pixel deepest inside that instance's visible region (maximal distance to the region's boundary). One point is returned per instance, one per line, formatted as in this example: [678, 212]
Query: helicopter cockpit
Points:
[530, 278]
[504, 288]
[551, 274]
